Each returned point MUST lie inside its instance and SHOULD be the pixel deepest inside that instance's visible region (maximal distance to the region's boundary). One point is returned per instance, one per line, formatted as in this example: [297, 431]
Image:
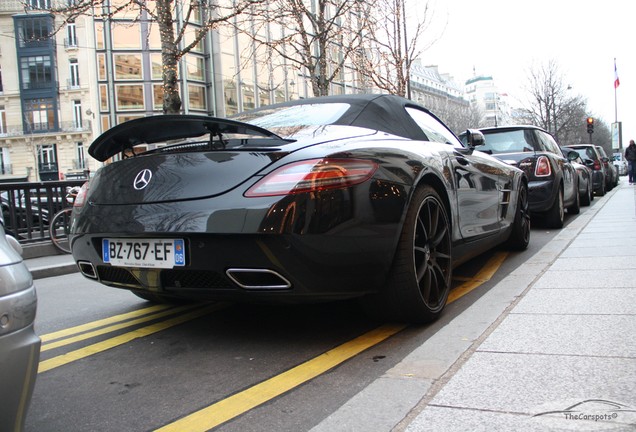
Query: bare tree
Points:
[552, 106]
[162, 12]
[393, 42]
[315, 37]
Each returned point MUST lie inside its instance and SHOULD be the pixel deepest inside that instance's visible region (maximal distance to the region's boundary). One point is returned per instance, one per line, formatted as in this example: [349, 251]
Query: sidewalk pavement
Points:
[45, 261]
[550, 347]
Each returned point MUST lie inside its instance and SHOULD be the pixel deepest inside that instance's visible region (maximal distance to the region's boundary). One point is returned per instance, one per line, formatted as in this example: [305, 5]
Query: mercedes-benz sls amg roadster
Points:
[338, 197]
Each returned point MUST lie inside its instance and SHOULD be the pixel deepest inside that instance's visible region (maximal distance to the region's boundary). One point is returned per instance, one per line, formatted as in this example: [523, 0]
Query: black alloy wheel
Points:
[520, 234]
[420, 277]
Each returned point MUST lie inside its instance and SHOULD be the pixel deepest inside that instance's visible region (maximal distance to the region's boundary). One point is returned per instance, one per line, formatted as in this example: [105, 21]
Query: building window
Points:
[80, 162]
[126, 36]
[3, 120]
[128, 66]
[101, 67]
[71, 35]
[37, 72]
[99, 35]
[39, 115]
[5, 162]
[130, 97]
[196, 97]
[47, 160]
[157, 66]
[74, 80]
[77, 114]
[195, 68]
[103, 98]
[34, 31]
[39, 4]
[157, 96]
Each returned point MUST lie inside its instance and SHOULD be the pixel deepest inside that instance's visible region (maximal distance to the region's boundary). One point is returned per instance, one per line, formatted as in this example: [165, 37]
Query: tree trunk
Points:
[171, 97]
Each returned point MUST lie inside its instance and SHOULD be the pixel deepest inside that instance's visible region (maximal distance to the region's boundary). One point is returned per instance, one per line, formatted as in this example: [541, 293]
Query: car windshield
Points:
[512, 141]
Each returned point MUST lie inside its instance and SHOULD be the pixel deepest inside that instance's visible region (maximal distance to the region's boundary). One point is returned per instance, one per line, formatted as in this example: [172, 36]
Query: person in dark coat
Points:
[630, 156]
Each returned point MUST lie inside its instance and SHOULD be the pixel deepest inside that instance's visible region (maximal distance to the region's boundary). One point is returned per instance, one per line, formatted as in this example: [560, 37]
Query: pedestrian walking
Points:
[630, 156]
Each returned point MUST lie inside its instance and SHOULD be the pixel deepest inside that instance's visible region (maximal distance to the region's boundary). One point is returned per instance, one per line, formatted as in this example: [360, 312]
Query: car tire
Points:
[575, 208]
[588, 196]
[555, 216]
[520, 234]
[420, 277]
[601, 190]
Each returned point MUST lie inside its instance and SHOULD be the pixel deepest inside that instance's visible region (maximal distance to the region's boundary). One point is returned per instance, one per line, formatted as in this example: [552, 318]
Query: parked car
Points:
[552, 180]
[586, 186]
[593, 159]
[19, 345]
[620, 163]
[353, 196]
[611, 169]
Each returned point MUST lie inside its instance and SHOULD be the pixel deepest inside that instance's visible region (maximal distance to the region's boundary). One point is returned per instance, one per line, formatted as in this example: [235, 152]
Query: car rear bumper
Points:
[541, 195]
[256, 267]
[19, 357]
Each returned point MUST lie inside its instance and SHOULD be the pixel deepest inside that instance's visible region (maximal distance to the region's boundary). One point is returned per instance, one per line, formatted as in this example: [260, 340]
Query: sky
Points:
[505, 38]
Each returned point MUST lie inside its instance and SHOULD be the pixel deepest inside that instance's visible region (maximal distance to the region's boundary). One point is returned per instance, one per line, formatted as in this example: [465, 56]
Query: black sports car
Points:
[367, 196]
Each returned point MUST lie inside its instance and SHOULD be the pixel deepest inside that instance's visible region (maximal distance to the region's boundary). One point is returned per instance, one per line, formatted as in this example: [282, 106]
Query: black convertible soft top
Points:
[380, 112]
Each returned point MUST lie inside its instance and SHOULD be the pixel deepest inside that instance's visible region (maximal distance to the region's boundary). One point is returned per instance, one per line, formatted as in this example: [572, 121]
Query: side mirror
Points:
[572, 156]
[474, 138]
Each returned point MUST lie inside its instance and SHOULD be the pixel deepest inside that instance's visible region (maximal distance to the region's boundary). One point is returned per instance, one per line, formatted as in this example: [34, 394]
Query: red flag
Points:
[616, 80]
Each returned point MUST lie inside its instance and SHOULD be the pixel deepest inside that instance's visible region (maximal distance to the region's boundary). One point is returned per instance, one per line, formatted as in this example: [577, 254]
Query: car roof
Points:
[380, 112]
[509, 128]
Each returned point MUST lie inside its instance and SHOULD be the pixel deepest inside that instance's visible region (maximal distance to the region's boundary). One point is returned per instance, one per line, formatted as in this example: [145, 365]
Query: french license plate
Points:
[149, 253]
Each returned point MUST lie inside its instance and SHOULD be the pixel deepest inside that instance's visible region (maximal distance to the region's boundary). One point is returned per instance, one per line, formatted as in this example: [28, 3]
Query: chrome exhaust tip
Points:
[87, 269]
[253, 279]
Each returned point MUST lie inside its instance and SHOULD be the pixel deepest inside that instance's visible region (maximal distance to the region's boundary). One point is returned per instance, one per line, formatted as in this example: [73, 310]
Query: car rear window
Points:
[513, 141]
[285, 120]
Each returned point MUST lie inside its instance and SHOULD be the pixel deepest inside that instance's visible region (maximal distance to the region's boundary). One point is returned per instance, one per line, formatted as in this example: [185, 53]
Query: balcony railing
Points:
[13, 131]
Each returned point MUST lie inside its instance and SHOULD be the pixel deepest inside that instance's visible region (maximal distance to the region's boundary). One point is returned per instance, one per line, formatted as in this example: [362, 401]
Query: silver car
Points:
[19, 345]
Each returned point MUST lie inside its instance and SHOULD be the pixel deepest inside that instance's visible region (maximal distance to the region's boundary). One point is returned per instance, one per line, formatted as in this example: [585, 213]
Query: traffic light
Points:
[590, 125]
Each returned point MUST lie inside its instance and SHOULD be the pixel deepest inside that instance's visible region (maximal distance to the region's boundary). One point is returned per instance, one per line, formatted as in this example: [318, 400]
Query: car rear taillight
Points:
[543, 168]
[597, 165]
[81, 196]
[312, 176]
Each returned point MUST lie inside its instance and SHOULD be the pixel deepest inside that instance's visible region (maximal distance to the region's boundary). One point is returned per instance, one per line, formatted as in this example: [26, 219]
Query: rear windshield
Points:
[285, 121]
[514, 141]
[584, 152]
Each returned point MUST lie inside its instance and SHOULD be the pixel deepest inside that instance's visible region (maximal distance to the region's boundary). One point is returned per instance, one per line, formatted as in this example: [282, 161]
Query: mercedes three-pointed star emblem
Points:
[142, 179]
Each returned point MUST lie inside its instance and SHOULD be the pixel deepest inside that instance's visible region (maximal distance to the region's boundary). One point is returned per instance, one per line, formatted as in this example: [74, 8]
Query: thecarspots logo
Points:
[598, 414]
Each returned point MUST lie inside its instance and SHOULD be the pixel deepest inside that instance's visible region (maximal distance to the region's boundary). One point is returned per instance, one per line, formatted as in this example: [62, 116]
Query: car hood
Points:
[187, 175]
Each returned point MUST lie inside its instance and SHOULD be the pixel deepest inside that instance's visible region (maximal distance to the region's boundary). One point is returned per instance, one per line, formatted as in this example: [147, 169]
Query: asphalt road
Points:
[113, 362]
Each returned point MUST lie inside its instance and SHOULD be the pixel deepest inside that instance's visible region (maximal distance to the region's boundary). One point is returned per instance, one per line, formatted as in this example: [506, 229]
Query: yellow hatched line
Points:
[254, 396]
[81, 353]
[99, 323]
[112, 328]
[483, 276]
[237, 404]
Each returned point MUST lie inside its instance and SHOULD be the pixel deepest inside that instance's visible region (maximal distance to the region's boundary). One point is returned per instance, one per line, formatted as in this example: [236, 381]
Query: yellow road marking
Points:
[81, 353]
[99, 323]
[260, 393]
[237, 404]
[483, 276]
[114, 327]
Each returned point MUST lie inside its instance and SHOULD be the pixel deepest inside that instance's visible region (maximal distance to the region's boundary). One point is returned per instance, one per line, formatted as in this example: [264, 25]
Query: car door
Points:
[479, 183]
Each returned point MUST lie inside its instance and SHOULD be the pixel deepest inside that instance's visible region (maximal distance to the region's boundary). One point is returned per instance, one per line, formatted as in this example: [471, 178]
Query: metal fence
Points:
[27, 207]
